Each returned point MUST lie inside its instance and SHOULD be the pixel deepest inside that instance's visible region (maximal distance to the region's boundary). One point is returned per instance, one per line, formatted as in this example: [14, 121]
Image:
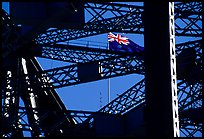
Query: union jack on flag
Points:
[122, 44]
[118, 38]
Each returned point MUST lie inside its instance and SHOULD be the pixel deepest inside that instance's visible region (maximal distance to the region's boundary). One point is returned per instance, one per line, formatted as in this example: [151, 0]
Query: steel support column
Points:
[160, 73]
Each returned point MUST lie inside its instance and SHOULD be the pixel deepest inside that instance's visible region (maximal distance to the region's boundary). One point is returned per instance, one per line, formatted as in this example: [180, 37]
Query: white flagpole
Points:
[108, 90]
[108, 85]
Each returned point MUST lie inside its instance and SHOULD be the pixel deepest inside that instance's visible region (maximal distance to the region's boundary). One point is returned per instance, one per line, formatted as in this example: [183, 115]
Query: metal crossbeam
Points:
[190, 129]
[23, 123]
[78, 116]
[129, 23]
[76, 54]
[64, 72]
[189, 96]
[184, 9]
[130, 99]
[195, 44]
[191, 44]
[127, 19]
[188, 19]
[9, 101]
[10, 35]
[117, 66]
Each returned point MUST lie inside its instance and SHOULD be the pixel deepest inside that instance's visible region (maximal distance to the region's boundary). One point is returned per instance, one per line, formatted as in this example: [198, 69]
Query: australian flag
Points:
[121, 43]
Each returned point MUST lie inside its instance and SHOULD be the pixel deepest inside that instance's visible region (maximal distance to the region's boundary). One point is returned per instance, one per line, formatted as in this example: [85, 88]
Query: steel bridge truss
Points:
[77, 54]
[111, 67]
[190, 96]
[128, 19]
[133, 97]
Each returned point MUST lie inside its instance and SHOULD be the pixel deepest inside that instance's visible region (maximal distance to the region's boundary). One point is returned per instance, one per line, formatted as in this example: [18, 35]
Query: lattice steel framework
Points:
[113, 67]
[121, 18]
[76, 54]
[127, 19]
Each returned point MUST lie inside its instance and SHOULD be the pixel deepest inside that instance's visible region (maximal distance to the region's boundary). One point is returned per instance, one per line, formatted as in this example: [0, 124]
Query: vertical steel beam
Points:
[160, 74]
[30, 100]
[173, 70]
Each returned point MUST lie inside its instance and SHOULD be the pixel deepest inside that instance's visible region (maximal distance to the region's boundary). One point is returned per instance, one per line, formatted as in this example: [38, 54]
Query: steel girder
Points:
[77, 54]
[134, 96]
[33, 95]
[190, 129]
[189, 96]
[128, 100]
[79, 118]
[10, 34]
[10, 102]
[188, 19]
[194, 21]
[127, 19]
[112, 67]
[196, 44]
[121, 17]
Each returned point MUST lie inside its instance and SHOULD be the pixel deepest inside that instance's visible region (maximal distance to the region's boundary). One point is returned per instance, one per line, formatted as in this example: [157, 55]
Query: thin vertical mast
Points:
[108, 85]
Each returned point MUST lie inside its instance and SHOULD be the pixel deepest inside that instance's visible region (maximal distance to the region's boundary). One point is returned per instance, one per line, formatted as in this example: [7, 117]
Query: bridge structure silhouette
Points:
[43, 112]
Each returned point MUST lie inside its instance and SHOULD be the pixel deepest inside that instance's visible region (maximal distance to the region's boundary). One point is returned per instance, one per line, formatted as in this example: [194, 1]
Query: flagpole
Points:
[108, 90]
[108, 85]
